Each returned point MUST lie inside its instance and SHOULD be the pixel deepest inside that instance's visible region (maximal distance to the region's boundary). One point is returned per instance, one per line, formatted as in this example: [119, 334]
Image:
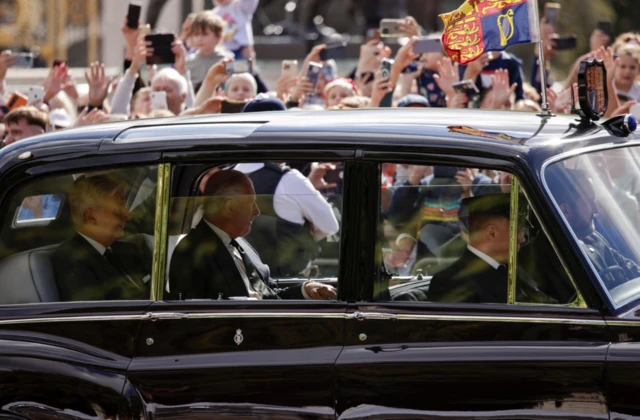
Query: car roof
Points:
[496, 131]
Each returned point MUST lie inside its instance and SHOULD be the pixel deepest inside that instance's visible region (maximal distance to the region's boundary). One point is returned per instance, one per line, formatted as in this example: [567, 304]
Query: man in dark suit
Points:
[93, 264]
[577, 200]
[480, 275]
[214, 262]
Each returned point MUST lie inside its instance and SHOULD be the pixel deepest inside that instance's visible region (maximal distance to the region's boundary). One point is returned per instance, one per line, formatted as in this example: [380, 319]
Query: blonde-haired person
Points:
[337, 90]
[624, 39]
[627, 71]
[241, 87]
[141, 101]
[353, 102]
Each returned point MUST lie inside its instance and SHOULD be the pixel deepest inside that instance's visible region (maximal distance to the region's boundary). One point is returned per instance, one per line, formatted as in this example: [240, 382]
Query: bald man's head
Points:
[230, 202]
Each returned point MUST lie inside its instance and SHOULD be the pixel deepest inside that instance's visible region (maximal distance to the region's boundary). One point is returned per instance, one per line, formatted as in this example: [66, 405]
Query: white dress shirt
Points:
[493, 263]
[296, 200]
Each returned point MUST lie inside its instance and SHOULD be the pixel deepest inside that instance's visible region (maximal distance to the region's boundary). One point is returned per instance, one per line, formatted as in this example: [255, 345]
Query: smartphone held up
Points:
[159, 100]
[161, 46]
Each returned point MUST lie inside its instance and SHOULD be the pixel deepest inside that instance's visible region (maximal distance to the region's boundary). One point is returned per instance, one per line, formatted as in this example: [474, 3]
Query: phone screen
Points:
[161, 44]
[551, 13]
[24, 60]
[159, 100]
[427, 45]
[313, 73]
[338, 51]
[36, 93]
[373, 34]
[238, 66]
[232, 107]
[605, 26]
[133, 15]
[566, 43]
[289, 68]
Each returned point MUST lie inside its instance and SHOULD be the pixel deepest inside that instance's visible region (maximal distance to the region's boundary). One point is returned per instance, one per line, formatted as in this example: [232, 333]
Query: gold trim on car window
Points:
[160, 232]
[513, 240]
[579, 301]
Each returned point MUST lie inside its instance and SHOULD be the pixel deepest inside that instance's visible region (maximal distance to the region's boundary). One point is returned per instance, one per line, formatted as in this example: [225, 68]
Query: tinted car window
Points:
[445, 237]
[253, 230]
[598, 194]
[79, 237]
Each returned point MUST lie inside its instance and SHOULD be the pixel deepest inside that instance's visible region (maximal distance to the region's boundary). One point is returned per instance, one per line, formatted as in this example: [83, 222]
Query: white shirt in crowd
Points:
[633, 94]
[297, 200]
[238, 14]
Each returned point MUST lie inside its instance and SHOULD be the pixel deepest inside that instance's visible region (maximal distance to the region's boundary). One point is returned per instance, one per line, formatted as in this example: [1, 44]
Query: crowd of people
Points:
[199, 80]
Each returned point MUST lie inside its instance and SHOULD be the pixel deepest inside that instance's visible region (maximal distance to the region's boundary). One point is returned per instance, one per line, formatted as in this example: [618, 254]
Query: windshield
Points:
[598, 194]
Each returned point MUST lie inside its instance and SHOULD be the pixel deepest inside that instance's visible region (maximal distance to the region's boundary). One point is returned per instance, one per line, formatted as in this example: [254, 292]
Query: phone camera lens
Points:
[384, 31]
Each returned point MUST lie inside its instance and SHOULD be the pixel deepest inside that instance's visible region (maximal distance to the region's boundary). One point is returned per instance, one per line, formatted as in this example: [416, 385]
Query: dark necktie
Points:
[250, 269]
[258, 285]
[113, 260]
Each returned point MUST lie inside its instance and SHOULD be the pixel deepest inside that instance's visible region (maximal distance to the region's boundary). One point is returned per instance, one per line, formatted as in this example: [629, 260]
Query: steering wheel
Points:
[611, 269]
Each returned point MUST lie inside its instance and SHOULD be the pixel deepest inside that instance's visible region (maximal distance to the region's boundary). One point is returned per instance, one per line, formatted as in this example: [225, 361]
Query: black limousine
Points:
[395, 207]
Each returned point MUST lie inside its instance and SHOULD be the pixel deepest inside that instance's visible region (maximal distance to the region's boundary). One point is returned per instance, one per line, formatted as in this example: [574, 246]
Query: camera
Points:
[385, 68]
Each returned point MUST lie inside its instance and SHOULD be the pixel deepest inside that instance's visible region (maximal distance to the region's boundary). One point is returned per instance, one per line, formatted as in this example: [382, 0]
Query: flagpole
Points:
[543, 81]
[546, 112]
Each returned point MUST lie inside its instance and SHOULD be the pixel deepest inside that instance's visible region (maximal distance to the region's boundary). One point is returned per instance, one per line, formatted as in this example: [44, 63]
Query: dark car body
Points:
[352, 358]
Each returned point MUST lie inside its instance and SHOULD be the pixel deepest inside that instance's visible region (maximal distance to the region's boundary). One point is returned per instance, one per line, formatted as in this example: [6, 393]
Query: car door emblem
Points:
[238, 338]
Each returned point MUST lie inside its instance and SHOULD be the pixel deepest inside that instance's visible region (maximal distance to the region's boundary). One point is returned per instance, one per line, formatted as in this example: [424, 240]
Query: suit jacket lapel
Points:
[490, 284]
[223, 267]
[260, 277]
[100, 266]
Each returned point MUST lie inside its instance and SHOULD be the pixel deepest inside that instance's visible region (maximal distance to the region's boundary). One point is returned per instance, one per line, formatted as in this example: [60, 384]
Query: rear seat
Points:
[27, 277]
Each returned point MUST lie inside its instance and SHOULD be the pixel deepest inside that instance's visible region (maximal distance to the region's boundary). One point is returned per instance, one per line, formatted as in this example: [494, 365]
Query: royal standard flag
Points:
[479, 26]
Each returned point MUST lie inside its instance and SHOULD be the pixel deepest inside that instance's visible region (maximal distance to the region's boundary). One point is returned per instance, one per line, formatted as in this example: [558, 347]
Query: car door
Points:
[62, 359]
[226, 358]
[406, 357]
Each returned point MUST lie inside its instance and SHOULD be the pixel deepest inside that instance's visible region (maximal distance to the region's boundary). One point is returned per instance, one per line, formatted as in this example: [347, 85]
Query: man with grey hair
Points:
[214, 262]
[93, 264]
[179, 91]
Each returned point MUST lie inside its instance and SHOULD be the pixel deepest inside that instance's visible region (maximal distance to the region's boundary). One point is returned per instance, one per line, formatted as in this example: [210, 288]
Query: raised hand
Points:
[6, 61]
[380, 88]
[130, 36]
[139, 57]
[180, 51]
[95, 116]
[57, 80]
[501, 91]
[410, 26]
[302, 88]
[98, 84]
[316, 176]
[314, 55]
[283, 86]
[465, 179]
[448, 74]
[610, 63]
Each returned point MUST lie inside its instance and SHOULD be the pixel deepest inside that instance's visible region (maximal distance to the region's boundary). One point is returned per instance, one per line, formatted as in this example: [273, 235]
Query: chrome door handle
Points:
[361, 316]
[154, 316]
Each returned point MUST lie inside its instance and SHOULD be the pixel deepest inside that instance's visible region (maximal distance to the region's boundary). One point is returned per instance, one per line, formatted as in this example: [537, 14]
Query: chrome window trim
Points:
[543, 176]
[150, 316]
